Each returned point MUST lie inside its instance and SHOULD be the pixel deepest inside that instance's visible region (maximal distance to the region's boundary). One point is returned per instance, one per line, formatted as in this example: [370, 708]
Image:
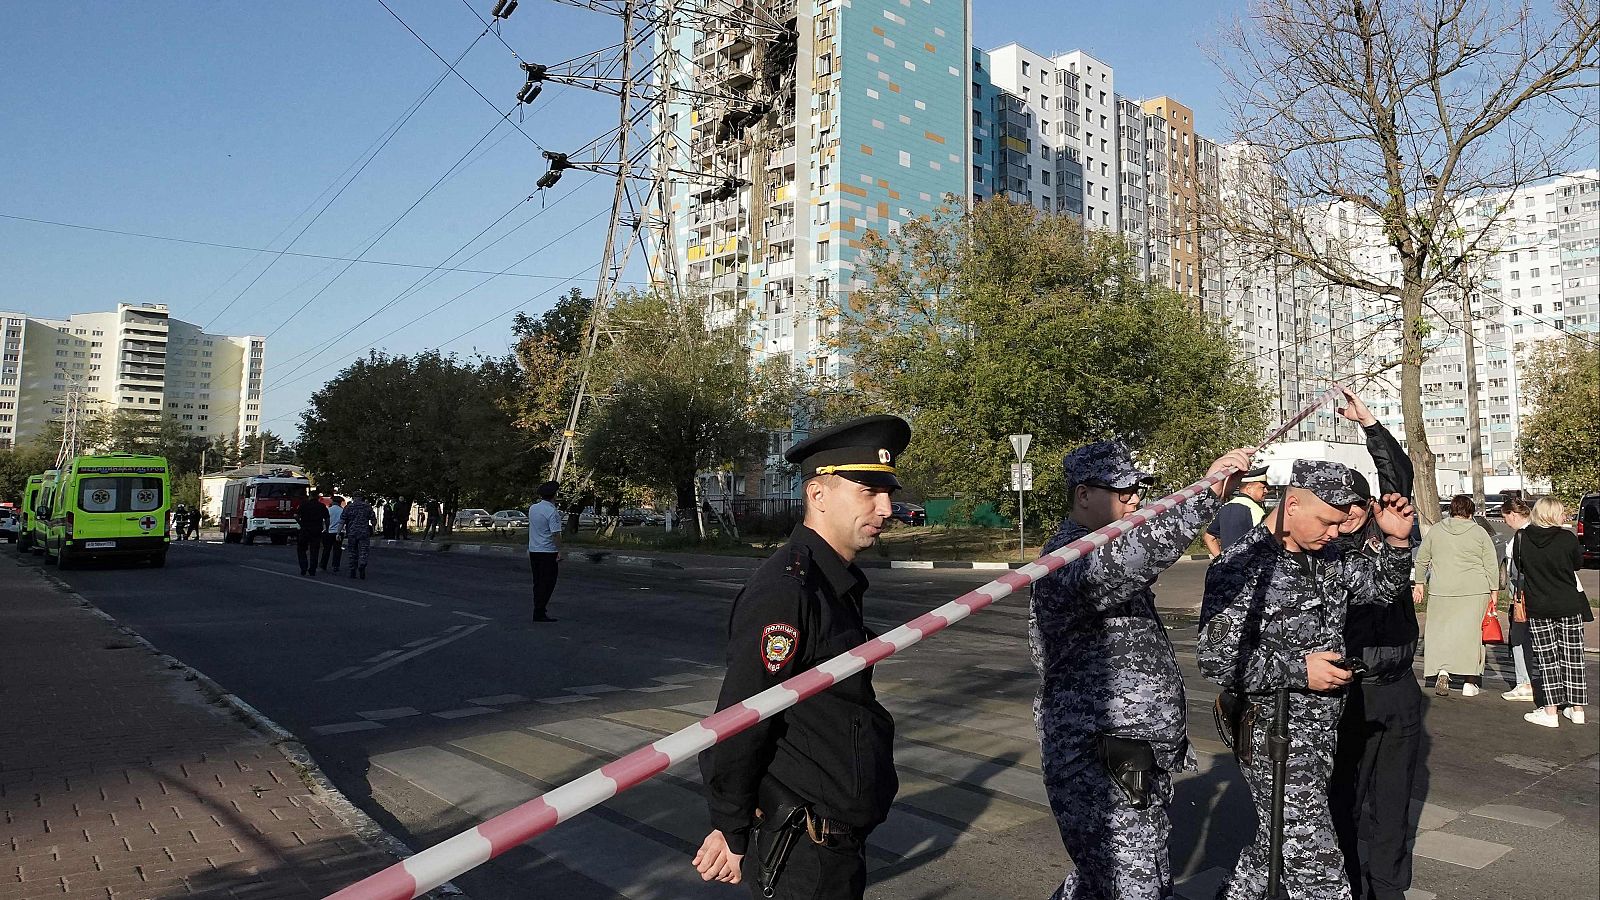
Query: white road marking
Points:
[340, 674]
[326, 583]
[383, 656]
[343, 727]
[497, 700]
[467, 615]
[555, 701]
[463, 713]
[595, 689]
[397, 712]
[463, 631]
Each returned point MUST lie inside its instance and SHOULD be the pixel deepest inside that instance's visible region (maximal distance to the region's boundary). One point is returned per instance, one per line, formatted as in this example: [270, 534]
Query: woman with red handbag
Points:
[1457, 571]
[1548, 558]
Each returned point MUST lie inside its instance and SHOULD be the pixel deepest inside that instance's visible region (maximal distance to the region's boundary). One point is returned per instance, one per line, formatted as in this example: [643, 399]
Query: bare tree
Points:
[1385, 128]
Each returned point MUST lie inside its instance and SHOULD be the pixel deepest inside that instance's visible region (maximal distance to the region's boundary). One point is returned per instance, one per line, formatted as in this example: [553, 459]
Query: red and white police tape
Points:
[427, 870]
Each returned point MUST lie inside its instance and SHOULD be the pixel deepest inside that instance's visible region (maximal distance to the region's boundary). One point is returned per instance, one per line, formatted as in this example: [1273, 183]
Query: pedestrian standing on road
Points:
[793, 798]
[435, 515]
[1458, 574]
[179, 517]
[1240, 514]
[544, 548]
[1557, 609]
[1110, 708]
[1380, 731]
[194, 524]
[1516, 512]
[333, 540]
[358, 520]
[312, 517]
[1273, 618]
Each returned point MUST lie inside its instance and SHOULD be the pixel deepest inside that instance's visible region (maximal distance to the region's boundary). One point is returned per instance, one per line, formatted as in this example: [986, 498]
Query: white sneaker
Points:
[1468, 689]
[1542, 717]
[1520, 692]
[1574, 713]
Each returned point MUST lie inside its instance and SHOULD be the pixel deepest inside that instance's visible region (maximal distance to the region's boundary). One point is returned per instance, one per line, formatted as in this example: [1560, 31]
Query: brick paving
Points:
[121, 778]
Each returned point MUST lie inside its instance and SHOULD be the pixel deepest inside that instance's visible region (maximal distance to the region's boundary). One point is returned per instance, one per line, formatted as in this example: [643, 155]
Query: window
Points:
[905, 159]
[823, 251]
[119, 494]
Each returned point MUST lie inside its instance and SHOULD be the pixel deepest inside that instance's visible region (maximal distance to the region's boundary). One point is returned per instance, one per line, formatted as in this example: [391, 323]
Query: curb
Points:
[593, 556]
[292, 748]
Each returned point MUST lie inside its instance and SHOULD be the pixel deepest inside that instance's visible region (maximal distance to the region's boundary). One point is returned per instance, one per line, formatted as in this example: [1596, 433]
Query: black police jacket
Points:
[1383, 636]
[801, 608]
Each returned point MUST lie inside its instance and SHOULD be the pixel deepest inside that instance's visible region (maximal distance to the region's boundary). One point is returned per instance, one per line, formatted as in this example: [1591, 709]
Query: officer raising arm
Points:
[1110, 709]
[1273, 618]
[793, 798]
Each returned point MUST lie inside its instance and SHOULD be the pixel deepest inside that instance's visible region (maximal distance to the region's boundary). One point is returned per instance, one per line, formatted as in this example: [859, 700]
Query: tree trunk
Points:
[688, 510]
[1425, 491]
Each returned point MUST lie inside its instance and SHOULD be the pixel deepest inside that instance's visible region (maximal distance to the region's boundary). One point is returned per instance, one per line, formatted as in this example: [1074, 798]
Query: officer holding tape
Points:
[1110, 709]
[794, 798]
[1273, 620]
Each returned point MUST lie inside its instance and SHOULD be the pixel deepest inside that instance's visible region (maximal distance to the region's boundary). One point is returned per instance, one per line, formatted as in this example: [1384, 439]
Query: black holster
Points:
[1131, 764]
[782, 820]
[1235, 717]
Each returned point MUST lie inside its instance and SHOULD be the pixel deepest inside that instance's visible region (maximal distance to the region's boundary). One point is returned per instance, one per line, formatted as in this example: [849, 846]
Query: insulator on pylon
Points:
[503, 9]
[558, 164]
[534, 84]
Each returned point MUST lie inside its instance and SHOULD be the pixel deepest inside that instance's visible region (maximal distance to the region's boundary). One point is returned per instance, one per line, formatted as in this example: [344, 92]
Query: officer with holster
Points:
[793, 798]
[1110, 710]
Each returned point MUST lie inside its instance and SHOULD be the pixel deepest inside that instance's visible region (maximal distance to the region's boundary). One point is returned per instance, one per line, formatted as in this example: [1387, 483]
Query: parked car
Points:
[590, 518]
[1588, 527]
[908, 514]
[510, 518]
[631, 517]
[473, 518]
[651, 517]
[9, 525]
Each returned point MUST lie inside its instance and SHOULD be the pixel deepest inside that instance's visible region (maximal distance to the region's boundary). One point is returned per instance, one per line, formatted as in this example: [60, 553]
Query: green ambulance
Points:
[39, 498]
[30, 498]
[109, 506]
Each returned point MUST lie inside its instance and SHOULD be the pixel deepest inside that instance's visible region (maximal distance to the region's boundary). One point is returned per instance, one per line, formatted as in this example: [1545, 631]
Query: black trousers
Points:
[306, 545]
[1380, 736]
[833, 871]
[332, 545]
[545, 568]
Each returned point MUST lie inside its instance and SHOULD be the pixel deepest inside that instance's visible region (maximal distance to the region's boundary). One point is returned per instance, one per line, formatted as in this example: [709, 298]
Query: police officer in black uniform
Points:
[793, 798]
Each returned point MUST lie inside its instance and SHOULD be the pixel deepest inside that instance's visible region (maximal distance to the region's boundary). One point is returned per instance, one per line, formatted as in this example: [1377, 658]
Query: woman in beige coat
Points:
[1457, 571]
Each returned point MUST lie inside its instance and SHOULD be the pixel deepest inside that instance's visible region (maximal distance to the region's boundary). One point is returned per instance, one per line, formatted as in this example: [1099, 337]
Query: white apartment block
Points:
[1539, 278]
[134, 358]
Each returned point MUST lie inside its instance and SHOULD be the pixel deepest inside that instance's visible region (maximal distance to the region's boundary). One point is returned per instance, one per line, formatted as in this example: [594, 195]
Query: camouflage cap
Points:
[1104, 464]
[1330, 481]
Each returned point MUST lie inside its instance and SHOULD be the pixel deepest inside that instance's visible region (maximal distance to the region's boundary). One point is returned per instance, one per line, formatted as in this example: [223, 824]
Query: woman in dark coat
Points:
[1548, 562]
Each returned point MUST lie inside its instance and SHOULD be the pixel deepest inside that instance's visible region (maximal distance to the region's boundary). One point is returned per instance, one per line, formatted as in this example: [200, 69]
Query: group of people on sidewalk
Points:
[1460, 578]
[328, 529]
[1309, 605]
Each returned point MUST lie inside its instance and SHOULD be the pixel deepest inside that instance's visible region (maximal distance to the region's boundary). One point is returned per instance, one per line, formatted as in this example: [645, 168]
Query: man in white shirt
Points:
[333, 538]
[544, 548]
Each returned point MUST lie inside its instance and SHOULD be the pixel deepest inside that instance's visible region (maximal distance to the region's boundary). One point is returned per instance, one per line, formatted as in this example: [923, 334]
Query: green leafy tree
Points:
[674, 398]
[17, 463]
[1559, 440]
[423, 427]
[999, 320]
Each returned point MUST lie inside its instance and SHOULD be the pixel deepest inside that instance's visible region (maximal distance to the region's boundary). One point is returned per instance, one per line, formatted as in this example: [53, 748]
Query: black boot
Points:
[363, 573]
[352, 571]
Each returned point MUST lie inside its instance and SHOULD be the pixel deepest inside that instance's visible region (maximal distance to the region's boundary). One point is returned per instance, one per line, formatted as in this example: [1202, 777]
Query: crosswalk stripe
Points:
[949, 715]
[954, 802]
[1017, 783]
[977, 743]
[631, 864]
[666, 721]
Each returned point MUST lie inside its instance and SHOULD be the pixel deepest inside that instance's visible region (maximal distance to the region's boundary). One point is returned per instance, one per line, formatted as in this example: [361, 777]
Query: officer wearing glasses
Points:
[1110, 709]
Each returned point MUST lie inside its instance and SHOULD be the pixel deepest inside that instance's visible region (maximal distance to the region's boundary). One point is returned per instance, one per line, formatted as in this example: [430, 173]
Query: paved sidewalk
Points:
[123, 775]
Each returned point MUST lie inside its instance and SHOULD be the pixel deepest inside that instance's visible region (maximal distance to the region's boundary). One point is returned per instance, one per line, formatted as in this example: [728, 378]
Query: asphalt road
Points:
[430, 699]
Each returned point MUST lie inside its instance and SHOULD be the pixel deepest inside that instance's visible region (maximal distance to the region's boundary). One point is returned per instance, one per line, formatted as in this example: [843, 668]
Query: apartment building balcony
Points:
[779, 231]
[781, 158]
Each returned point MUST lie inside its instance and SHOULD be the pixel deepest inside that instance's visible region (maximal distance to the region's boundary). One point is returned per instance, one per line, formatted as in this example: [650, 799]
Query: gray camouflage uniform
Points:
[1265, 609]
[1106, 666]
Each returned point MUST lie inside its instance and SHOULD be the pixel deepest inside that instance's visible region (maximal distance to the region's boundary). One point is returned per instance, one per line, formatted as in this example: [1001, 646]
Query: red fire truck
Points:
[262, 505]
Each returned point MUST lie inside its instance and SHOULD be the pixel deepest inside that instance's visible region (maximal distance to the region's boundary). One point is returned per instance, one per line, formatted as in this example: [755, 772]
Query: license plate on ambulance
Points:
[100, 545]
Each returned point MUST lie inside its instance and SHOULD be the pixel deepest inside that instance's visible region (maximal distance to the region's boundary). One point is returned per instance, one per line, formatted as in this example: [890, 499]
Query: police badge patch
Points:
[778, 643]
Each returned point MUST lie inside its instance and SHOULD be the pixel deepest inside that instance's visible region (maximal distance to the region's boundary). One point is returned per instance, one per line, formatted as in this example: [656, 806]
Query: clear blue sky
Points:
[226, 123]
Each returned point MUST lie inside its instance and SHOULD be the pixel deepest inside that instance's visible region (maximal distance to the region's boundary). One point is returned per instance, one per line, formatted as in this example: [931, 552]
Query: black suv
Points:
[1589, 529]
[908, 514]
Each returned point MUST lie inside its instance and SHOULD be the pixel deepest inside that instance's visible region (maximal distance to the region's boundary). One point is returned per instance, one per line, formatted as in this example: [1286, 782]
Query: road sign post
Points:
[1022, 480]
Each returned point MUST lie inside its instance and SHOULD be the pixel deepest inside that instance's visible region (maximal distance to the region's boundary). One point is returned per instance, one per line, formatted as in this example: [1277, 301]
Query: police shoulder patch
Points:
[778, 644]
[1218, 628]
